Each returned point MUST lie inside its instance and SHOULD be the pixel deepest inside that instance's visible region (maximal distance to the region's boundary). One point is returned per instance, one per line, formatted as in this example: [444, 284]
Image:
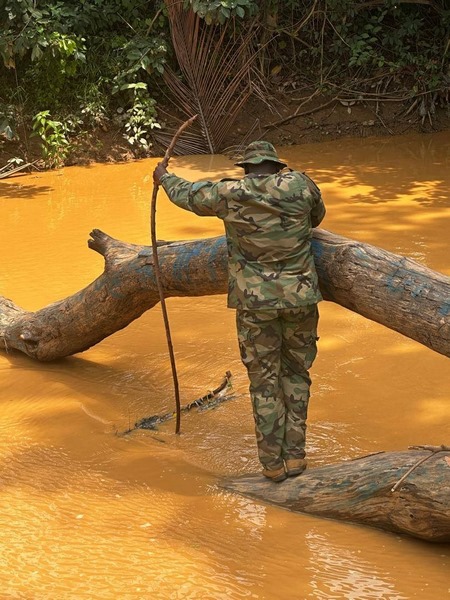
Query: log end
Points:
[99, 241]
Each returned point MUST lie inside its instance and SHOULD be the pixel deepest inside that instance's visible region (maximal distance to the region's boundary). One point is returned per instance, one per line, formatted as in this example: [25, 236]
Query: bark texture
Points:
[360, 491]
[392, 290]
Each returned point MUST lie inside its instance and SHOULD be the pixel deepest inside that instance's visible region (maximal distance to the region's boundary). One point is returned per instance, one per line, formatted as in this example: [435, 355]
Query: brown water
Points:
[88, 514]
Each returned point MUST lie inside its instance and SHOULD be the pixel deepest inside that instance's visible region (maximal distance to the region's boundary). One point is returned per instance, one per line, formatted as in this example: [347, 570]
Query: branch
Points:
[165, 163]
[297, 115]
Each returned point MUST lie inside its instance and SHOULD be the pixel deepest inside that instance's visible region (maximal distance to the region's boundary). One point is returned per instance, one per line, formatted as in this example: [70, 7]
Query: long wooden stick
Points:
[164, 163]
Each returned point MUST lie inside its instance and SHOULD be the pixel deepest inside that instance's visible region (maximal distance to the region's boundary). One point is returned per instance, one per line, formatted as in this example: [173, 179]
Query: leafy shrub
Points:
[55, 144]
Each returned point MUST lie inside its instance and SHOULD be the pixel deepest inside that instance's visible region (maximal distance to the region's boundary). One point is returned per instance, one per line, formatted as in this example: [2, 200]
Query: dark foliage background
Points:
[68, 69]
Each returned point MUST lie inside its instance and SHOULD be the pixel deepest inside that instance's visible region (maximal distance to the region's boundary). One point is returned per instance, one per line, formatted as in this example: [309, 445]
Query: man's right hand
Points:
[159, 171]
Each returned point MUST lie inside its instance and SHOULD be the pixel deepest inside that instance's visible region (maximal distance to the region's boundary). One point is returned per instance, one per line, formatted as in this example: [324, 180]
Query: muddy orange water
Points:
[88, 514]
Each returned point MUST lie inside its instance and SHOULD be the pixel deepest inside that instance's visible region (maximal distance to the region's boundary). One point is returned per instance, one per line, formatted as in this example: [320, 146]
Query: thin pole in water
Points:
[164, 163]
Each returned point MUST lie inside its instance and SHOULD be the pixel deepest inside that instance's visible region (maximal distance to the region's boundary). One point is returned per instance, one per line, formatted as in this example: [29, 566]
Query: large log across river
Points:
[390, 289]
[405, 492]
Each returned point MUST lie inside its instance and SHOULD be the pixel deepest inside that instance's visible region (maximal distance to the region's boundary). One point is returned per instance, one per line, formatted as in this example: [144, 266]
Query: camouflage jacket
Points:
[268, 221]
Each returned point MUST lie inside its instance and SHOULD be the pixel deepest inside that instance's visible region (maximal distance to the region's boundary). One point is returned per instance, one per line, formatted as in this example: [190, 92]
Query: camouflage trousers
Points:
[278, 347]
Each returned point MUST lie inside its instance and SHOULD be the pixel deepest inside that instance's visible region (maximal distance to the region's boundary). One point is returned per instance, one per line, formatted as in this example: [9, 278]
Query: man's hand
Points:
[158, 173]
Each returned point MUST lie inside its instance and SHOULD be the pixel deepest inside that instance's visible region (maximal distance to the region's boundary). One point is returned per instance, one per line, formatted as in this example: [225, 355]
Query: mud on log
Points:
[392, 290]
[365, 491]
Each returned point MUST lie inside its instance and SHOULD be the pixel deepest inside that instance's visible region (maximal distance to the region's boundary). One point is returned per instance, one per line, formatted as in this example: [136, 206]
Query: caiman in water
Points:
[206, 402]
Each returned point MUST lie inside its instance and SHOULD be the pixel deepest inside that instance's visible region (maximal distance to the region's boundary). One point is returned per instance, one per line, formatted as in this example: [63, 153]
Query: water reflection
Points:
[338, 572]
[379, 170]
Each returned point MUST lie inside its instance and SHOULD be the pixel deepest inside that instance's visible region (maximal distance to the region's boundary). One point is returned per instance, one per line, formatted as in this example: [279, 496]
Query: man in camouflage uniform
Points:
[268, 216]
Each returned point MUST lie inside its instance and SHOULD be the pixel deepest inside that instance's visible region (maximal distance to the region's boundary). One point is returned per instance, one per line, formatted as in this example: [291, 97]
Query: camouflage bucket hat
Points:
[258, 152]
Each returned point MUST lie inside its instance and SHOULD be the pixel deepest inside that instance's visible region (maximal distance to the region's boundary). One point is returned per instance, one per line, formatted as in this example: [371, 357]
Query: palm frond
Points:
[215, 78]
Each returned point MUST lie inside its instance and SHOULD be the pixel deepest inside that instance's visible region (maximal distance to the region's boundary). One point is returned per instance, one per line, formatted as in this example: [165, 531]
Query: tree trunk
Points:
[370, 491]
[379, 285]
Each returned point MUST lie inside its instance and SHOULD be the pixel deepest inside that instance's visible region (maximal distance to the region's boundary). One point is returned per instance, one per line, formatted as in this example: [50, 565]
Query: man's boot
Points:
[295, 466]
[275, 475]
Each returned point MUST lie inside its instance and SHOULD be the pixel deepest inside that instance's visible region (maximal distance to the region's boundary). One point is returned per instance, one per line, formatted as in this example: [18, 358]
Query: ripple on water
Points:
[340, 573]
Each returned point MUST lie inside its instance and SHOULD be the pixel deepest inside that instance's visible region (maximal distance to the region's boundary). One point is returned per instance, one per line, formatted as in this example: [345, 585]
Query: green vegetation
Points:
[69, 68]
[54, 142]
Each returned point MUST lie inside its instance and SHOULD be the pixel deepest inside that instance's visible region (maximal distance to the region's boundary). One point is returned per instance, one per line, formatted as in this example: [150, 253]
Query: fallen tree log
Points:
[392, 290]
[372, 490]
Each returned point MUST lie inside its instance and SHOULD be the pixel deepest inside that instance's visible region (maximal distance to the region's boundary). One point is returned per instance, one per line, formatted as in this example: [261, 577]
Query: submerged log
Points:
[392, 290]
[372, 490]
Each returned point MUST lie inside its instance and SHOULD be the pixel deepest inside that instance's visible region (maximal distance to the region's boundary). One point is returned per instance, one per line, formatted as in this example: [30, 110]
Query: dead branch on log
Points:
[409, 471]
[432, 449]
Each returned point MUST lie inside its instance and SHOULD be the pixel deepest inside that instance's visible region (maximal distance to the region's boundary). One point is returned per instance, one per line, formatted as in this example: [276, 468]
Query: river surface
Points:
[86, 513]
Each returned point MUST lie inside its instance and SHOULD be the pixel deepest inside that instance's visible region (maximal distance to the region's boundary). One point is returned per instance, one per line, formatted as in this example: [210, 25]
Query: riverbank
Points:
[286, 117]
